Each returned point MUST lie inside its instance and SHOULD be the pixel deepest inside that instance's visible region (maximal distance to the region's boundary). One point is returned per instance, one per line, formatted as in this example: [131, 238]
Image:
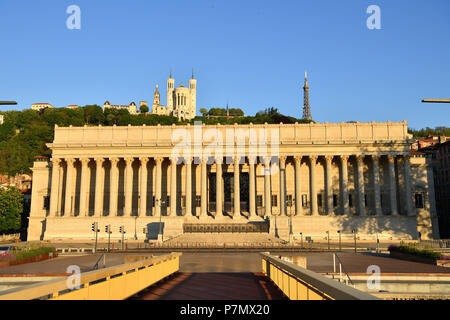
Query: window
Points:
[335, 200]
[274, 200]
[365, 200]
[289, 202]
[418, 197]
[259, 201]
[319, 200]
[305, 201]
[350, 200]
[167, 201]
[198, 201]
[153, 201]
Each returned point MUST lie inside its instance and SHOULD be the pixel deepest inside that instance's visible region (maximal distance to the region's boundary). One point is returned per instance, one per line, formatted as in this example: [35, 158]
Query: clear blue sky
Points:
[251, 53]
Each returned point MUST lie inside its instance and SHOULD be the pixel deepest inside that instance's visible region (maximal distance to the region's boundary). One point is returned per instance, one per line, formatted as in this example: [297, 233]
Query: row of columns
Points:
[56, 186]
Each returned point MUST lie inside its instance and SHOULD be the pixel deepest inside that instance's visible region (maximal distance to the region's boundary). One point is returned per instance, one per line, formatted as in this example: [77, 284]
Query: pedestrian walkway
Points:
[214, 286]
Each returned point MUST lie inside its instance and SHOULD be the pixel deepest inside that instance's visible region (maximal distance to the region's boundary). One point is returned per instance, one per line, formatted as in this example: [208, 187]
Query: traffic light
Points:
[94, 227]
[122, 230]
[107, 229]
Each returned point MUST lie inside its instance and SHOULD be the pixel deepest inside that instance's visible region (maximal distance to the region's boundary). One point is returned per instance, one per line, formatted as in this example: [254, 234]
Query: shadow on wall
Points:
[398, 225]
[153, 230]
[44, 228]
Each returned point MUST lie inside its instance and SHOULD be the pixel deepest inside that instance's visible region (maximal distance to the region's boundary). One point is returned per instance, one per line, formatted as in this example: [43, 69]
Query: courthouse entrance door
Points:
[228, 192]
[228, 182]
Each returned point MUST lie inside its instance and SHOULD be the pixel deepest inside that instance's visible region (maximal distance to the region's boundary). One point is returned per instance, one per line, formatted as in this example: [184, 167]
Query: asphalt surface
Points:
[233, 262]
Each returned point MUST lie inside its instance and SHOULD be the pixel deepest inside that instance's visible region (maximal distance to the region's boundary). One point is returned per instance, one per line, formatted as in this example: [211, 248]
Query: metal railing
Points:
[114, 283]
[103, 256]
[341, 268]
[441, 244]
[298, 283]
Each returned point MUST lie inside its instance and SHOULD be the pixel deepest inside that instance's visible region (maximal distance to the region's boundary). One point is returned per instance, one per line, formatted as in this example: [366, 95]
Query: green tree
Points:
[144, 108]
[204, 112]
[11, 207]
[93, 114]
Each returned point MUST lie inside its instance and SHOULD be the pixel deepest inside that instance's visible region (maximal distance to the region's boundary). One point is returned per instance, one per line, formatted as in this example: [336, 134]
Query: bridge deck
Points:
[214, 286]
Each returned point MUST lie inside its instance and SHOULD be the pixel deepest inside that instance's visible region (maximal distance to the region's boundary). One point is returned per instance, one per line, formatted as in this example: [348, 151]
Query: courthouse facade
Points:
[299, 178]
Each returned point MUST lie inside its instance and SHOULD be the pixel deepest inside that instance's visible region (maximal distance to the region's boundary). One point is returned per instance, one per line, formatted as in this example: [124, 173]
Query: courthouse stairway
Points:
[224, 239]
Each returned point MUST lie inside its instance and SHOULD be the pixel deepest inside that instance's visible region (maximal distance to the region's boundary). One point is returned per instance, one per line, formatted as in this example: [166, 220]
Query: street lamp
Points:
[436, 100]
[340, 247]
[290, 203]
[328, 236]
[8, 103]
[354, 237]
[160, 203]
[301, 239]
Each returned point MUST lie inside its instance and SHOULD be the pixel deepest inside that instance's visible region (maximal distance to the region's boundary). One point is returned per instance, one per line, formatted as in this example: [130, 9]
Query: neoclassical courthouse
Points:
[304, 178]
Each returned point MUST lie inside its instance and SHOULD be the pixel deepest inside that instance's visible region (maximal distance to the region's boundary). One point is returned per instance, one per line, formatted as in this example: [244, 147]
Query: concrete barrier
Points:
[114, 283]
[298, 283]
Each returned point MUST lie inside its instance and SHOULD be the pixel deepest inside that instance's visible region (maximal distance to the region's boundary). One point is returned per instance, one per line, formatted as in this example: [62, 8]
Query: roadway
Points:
[234, 262]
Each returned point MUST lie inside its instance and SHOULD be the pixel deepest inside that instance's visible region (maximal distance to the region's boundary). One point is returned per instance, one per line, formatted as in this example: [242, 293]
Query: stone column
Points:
[298, 193]
[114, 185]
[361, 191]
[69, 188]
[314, 209]
[237, 191]
[173, 187]
[252, 183]
[267, 193]
[204, 189]
[408, 192]
[84, 187]
[392, 185]
[98, 210]
[219, 187]
[188, 187]
[54, 196]
[376, 184]
[143, 195]
[158, 186]
[344, 183]
[128, 187]
[329, 186]
[282, 173]
[60, 209]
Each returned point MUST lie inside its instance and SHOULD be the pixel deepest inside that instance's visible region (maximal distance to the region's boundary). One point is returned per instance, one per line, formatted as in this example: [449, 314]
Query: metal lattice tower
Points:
[306, 107]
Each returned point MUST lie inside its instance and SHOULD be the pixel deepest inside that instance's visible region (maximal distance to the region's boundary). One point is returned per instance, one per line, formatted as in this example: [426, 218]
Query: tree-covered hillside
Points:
[24, 134]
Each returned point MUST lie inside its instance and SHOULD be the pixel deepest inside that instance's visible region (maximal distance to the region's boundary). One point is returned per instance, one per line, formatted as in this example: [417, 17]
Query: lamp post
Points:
[160, 202]
[328, 236]
[301, 239]
[290, 203]
[135, 232]
[340, 247]
[354, 238]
